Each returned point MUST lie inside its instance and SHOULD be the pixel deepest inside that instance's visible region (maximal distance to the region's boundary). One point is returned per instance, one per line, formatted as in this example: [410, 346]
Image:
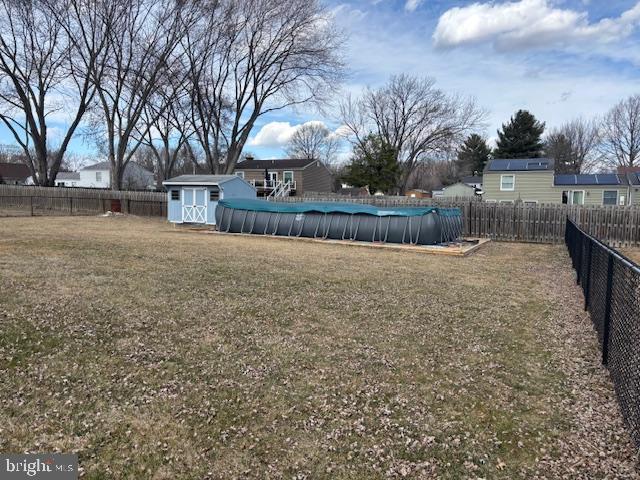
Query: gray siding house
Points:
[533, 181]
[302, 174]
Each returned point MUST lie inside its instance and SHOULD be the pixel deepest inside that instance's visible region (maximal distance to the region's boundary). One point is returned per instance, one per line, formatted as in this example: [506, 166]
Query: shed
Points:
[459, 190]
[193, 198]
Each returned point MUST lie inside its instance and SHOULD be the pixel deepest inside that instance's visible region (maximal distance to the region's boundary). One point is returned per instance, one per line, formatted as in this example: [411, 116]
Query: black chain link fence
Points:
[611, 286]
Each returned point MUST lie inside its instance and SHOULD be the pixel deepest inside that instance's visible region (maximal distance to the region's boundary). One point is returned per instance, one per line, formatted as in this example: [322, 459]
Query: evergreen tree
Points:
[473, 155]
[373, 165]
[521, 137]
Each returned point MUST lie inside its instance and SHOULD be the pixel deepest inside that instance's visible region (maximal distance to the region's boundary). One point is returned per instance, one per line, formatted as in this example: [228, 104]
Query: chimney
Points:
[249, 157]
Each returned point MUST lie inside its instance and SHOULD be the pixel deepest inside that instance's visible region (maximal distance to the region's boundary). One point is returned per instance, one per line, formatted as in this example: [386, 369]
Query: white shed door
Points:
[194, 205]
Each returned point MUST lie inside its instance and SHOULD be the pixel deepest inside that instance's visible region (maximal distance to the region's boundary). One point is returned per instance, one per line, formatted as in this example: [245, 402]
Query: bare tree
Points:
[39, 79]
[264, 55]
[314, 140]
[163, 129]
[574, 146]
[143, 36]
[620, 143]
[414, 117]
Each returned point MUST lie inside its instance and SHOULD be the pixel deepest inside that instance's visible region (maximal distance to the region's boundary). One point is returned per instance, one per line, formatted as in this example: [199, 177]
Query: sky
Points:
[559, 59]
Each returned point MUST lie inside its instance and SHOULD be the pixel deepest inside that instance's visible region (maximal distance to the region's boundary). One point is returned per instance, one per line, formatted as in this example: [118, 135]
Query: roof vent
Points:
[249, 157]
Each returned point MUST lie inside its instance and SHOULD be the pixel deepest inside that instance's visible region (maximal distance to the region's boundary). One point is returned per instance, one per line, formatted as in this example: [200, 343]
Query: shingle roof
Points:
[99, 166]
[68, 176]
[472, 179]
[519, 164]
[594, 179]
[199, 179]
[18, 171]
[282, 163]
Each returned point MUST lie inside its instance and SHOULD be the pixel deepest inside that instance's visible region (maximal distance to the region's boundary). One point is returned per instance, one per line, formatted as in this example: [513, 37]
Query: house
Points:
[14, 173]
[193, 198]
[533, 181]
[288, 176]
[600, 189]
[67, 179]
[458, 190]
[98, 175]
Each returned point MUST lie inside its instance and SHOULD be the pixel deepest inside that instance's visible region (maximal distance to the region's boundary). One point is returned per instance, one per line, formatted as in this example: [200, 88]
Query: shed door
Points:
[194, 205]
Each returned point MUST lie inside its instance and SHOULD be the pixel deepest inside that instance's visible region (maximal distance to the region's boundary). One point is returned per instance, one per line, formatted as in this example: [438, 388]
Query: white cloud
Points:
[411, 5]
[278, 134]
[528, 24]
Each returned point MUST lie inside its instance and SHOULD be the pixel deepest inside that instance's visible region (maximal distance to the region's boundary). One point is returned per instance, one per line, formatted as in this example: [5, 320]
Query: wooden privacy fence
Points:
[21, 200]
[544, 223]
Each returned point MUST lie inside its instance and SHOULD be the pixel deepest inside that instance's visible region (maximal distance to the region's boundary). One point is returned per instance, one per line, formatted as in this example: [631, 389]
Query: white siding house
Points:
[99, 176]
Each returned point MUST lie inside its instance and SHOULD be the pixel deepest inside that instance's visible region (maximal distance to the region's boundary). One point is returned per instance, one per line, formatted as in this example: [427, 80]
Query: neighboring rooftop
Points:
[282, 163]
[99, 166]
[519, 164]
[199, 179]
[473, 179]
[14, 171]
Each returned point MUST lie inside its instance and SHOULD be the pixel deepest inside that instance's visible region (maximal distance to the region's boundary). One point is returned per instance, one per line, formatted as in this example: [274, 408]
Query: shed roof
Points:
[282, 163]
[519, 165]
[200, 179]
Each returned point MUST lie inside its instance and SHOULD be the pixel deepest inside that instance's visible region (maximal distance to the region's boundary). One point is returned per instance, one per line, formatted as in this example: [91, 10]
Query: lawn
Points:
[156, 352]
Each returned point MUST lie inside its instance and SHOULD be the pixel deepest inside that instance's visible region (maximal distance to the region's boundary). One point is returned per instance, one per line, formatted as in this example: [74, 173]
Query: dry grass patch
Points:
[159, 353]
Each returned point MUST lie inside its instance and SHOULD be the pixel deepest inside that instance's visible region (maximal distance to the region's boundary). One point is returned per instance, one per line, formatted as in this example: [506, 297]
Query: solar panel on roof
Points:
[607, 179]
[537, 165]
[585, 179]
[564, 179]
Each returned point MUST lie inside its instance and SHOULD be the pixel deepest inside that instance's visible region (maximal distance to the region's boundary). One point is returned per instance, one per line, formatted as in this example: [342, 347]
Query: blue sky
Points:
[557, 58]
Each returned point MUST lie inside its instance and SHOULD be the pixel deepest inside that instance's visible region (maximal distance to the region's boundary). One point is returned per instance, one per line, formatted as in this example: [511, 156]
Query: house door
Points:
[273, 178]
[194, 205]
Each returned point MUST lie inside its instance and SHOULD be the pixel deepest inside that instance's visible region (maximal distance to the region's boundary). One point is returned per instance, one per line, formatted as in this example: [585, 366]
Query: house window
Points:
[240, 174]
[507, 183]
[98, 176]
[573, 197]
[214, 195]
[577, 197]
[530, 203]
[509, 202]
[175, 194]
[287, 177]
[610, 197]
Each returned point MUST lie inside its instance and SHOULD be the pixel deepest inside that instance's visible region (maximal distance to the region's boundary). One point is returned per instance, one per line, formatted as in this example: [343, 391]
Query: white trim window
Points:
[507, 202]
[507, 183]
[610, 197]
[239, 174]
[576, 197]
[98, 176]
[530, 203]
[287, 176]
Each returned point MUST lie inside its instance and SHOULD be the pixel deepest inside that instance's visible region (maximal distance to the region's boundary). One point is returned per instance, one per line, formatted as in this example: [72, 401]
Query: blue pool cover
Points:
[334, 207]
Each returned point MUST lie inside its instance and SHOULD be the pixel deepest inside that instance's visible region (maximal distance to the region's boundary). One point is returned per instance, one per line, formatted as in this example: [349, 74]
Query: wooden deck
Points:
[458, 249]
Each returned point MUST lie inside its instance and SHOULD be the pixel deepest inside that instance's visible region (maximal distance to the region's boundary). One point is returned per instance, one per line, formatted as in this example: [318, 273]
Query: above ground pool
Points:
[340, 221]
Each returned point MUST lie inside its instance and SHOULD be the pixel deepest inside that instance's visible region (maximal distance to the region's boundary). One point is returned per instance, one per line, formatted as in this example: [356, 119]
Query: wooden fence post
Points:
[31, 204]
